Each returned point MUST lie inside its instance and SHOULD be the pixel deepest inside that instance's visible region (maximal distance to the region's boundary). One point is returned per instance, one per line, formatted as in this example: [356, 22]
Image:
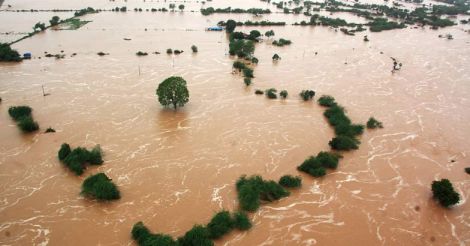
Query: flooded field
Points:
[176, 169]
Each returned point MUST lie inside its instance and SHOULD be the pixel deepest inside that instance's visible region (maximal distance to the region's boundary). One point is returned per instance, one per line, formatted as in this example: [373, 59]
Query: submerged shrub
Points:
[253, 189]
[101, 187]
[259, 92]
[76, 159]
[283, 94]
[220, 224]
[140, 53]
[169, 51]
[27, 124]
[239, 65]
[444, 192]
[64, 151]
[248, 73]
[17, 112]
[290, 181]
[144, 237]
[307, 94]
[198, 235]
[194, 48]
[327, 101]
[271, 93]
[247, 81]
[372, 123]
[241, 221]
[316, 165]
[49, 130]
[344, 143]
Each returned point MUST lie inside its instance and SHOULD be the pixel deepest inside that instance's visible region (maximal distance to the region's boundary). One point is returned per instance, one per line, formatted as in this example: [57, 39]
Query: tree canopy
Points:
[173, 92]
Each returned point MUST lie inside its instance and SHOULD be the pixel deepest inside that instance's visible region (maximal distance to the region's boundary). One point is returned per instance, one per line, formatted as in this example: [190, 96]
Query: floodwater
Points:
[176, 169]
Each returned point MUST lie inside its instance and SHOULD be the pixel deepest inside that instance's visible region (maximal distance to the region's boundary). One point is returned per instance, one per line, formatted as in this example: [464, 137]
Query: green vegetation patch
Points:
[290, 181]
[72, 24]
[316, 165]
[23, 118]
[76, 159]
[253, 189]
[100, 187]
[444, 192]
[372, 123]
[7, 54]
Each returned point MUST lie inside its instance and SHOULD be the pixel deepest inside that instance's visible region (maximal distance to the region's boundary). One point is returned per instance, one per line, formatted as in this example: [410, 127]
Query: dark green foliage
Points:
[345, 131]
[269, 33]
[307, 94]
[241, 221]
[259, 92]
[276, 57]
[140, 53]
[271, 93]
[327, 101]
[230, 26]
[40, 26]
[101, 53]
[18, 112]
[173, 91]
[220, 224]
[372, 123]
[281, 42]
[247, 81]
[444, 192]
[241, 48]
[55, 21]
[283, 94]
[144, 237]
[7, 54]
[82, 12]
[381, 24]
[254, 34]
[254, 60]
[290, 181]
[101, 187]
[194, 48]
[197, 236]
[239, 65]
[344, 143]
[248, 73]
[49, 130]
[64, 151]
[169, 51]
[253, 189]
[317, 172]
[27, 124]
[76, 159]
[316, 165]
[211, 10]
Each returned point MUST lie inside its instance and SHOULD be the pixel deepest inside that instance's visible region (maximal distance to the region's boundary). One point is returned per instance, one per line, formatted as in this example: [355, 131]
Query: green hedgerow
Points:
[220, 224]
[327, 101]
[198, 235]
[290, 181]
[241, 221]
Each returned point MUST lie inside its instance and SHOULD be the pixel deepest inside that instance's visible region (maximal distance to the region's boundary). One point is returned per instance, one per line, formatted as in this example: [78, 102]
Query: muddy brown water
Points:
[176, 169]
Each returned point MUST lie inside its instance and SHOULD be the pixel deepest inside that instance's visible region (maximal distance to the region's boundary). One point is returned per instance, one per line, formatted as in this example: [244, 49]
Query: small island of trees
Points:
[100, 187]
[317, 165]
[253, 189]
[77, 158]
[23, 118]
[444, 192]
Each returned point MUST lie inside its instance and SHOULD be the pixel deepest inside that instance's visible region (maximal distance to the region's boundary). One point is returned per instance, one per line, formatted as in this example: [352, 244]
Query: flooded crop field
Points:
[177, 168]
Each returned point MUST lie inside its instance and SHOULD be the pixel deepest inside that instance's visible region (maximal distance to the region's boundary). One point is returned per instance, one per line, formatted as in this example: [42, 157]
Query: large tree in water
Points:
[173, 92]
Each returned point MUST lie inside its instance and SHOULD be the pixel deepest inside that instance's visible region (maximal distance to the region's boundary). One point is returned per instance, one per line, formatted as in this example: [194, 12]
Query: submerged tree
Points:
[173, 92]
[8, 54]
[444, 192]
[181, 7]
[55, 21]
[230, 26]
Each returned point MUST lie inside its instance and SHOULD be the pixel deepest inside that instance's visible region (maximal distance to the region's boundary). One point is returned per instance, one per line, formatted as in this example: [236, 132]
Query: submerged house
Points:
[215, 28]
